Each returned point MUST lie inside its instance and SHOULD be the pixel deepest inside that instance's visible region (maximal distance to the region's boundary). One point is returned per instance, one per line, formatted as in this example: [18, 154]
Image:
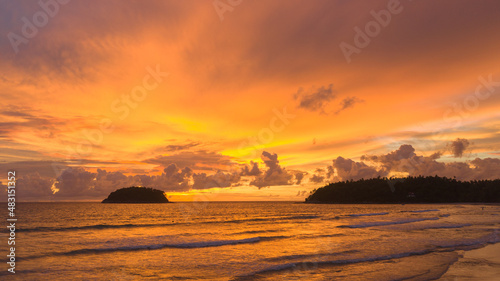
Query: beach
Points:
[479, 264]
[256, 240]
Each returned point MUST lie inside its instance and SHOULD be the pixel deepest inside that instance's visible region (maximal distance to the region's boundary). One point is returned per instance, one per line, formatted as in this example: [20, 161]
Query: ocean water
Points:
[245, 240]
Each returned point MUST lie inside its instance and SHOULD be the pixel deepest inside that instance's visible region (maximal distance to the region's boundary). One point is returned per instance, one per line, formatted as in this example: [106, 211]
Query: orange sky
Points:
[131, 87]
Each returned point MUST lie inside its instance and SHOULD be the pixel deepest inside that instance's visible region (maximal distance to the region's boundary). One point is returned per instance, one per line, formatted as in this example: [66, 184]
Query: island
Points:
[407, 190]
[136, 194]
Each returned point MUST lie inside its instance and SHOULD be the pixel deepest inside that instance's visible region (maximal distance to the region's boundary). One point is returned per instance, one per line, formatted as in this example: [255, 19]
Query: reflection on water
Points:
[246, 241]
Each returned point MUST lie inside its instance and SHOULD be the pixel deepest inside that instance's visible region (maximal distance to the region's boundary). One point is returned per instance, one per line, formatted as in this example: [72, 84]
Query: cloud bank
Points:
[405, 161]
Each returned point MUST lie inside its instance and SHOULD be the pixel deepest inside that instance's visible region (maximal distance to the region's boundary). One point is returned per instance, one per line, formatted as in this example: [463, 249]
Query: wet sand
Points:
[480, 264]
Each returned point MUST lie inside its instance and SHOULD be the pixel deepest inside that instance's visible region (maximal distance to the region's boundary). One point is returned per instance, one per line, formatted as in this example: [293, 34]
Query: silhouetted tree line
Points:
[136, 195]
[408, 190]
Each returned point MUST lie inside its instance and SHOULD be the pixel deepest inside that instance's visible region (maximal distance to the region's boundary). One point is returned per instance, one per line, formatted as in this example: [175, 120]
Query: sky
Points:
[244, 100]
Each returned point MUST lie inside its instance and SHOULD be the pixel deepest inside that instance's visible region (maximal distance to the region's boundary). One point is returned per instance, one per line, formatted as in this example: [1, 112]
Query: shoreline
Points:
[482, 264]
[402, 203]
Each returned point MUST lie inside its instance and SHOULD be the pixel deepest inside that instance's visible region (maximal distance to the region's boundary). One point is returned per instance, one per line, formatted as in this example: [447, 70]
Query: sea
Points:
[244, 240]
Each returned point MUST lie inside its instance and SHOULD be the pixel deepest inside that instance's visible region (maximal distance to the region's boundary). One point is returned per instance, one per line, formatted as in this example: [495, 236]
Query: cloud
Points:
[219, 179]
[34, 186]
[315, 99]
[394, 158]
[76, 182]
[405, 160]
[274, 175]
[458, 146]
[41, 183]
[22, 118]
[302, 193]
[348, 103]
[251, 170]
[172, 179]
[42, 134]
[182, 146]
[487, 168]
[49, 169]
[348, 169]
[98, 37]
[436, 155]
[317, 178]
[299, 176]
[201, 160]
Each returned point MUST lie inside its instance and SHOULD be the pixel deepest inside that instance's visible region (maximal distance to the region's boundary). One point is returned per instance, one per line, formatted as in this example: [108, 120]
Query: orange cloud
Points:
[78, 92]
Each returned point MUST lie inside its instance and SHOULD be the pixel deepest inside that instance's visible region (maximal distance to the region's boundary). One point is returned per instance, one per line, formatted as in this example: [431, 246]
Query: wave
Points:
[432, 226]
[332, 218]
[421, 211]
[493, 237]
[382, 223]
[88, 227]
[257, 231]
[307, 236]
[286, 266]
[447, 226]
[305, 217]
[188, 245]
[369, 214]
[271, 219]
[316, 255]
[107, 226]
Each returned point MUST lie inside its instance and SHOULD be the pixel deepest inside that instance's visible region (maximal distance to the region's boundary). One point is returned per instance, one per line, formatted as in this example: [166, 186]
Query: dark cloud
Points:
[76, 182]
[251, 170]
[299, 176]
[172, 179]
[310, 33]
[319, 175]
[395, 158]
[219, 179]
[487, 168]
[458, 147]
[33, 186]
[97, 37]
[315, 99]
[406, 160]
[348, 169]
[274, 175]
[348, 103]
[41, 182]
[83, 184]
[436, 155]
[316, 178]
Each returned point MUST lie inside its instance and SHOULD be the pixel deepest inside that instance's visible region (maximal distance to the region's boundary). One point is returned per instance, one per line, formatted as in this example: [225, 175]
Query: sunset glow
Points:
[257, 103]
